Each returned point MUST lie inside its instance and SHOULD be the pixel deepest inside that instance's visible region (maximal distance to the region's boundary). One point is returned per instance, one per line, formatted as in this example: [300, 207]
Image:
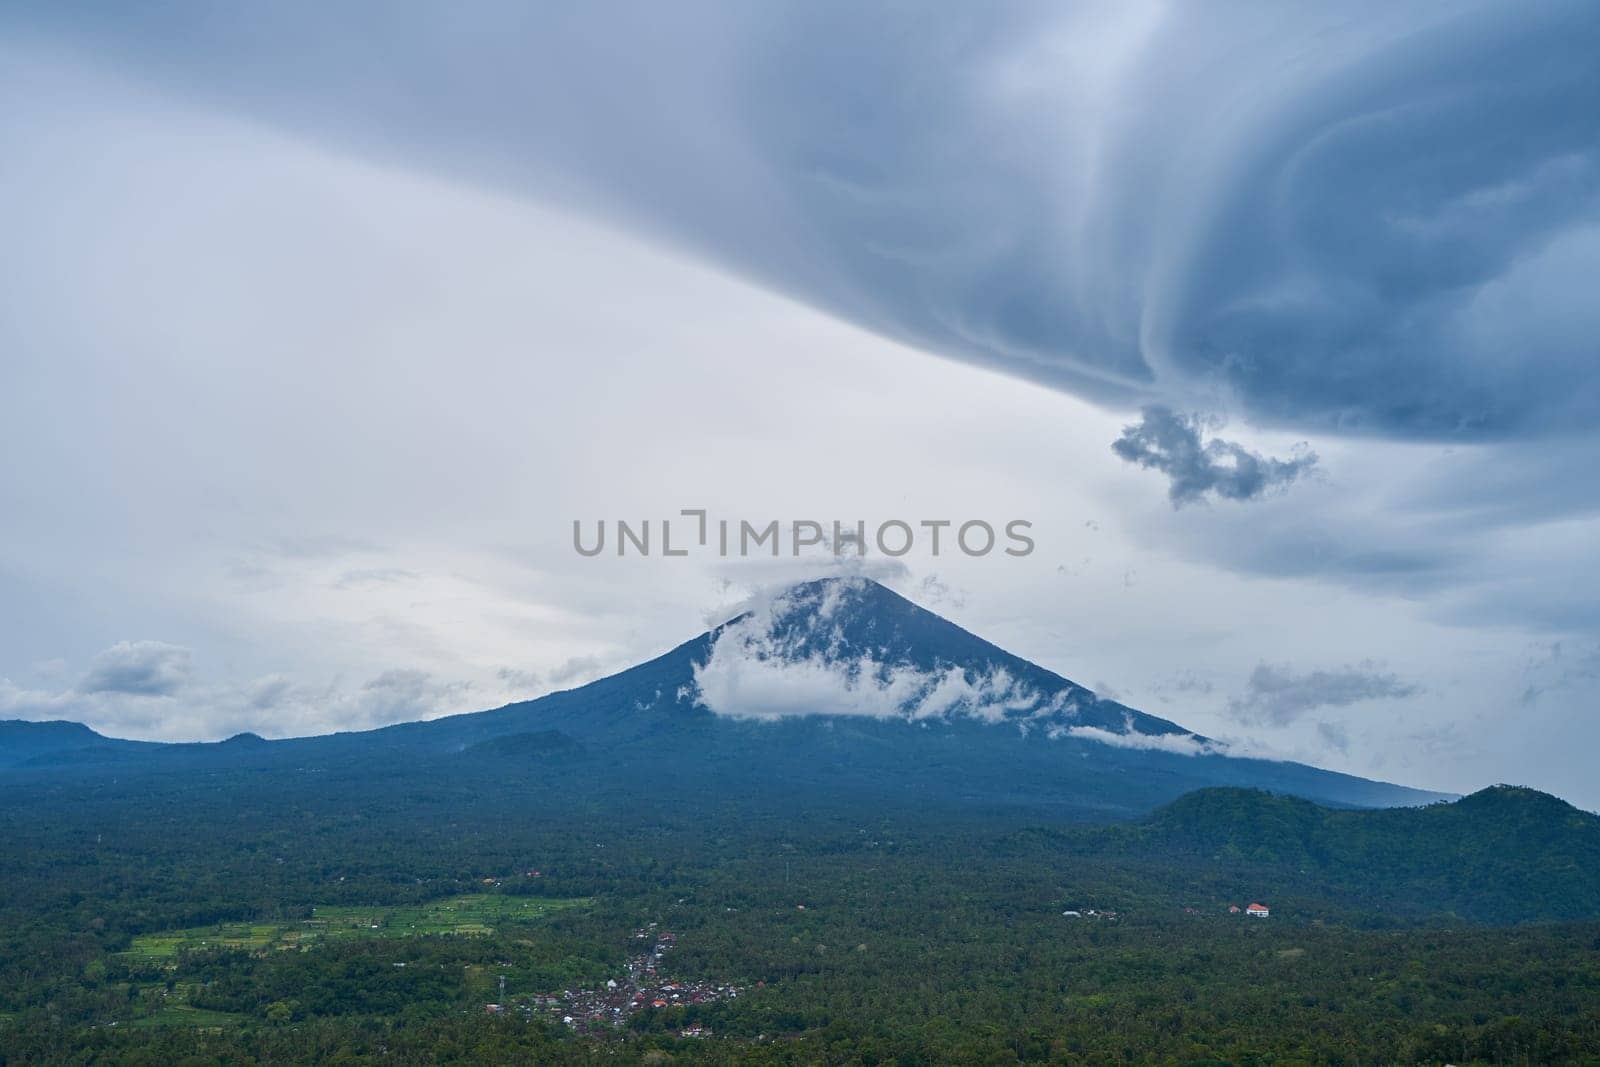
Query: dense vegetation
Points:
[928, 935]
[874, 890]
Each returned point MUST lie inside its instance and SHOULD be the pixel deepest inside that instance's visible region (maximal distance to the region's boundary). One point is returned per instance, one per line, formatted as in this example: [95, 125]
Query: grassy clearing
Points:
[464, 916]
[184, 1015]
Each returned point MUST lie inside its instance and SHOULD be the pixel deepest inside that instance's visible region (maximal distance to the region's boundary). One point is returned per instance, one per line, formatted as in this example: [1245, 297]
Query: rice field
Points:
[463, 916]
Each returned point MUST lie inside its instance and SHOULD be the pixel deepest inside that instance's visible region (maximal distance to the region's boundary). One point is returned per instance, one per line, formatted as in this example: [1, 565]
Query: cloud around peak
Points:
[786, 656]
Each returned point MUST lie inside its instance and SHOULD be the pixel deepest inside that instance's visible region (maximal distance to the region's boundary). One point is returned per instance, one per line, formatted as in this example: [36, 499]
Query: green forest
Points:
[266, 926]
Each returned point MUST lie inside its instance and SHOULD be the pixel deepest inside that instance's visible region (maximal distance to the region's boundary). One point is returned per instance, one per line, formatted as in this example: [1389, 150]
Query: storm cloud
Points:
[1353, 218]
[1172, 444]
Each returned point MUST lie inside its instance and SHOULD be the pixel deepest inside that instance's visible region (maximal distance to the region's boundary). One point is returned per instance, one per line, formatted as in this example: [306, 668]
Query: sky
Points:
[319, 327]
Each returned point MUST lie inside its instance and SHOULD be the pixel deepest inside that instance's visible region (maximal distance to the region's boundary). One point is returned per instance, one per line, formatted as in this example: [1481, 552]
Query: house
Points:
[1073, 914]
[1233, 909]
[1260, 911]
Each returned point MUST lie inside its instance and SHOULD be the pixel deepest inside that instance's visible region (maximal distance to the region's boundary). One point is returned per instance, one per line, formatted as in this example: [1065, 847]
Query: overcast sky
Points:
[319, 327]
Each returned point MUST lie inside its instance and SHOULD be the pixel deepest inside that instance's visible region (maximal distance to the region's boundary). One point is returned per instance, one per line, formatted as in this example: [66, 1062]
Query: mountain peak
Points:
[1519, 798]
[22, 740]
[837, 687]
[850, 646]
[246, 739]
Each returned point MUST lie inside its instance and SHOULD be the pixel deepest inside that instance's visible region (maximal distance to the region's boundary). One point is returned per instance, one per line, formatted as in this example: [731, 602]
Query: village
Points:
[1254, 910]
[595, 1011]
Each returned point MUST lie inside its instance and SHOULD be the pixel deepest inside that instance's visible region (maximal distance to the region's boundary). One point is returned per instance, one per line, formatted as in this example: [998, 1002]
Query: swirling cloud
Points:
[1359, 218]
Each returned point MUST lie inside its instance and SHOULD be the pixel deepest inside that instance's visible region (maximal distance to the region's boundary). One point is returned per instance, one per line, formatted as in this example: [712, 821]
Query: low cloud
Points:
[1177, 744]
[576, 669]
[146, 690]
[521, 681]
[787, 657]
[1173, 443]
[783, 658]
[403, 694]
[138, 668]
[1276, 696]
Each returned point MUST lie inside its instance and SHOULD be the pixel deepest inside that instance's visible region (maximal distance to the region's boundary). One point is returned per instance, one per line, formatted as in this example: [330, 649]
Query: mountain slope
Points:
[844, 686]
[837, 691]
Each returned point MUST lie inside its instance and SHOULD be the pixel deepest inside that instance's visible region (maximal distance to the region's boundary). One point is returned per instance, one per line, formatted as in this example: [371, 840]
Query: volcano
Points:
[838, 690]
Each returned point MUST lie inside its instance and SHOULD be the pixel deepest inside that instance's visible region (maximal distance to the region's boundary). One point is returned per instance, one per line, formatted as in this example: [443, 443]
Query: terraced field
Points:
[463, 916]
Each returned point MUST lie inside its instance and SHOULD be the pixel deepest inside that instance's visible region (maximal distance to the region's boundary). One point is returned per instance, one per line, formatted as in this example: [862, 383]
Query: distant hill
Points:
[1503, 854]
[38, 742]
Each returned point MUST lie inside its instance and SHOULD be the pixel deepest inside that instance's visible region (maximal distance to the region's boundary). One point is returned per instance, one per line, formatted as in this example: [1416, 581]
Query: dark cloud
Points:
[1172, 443]
[1276, 696]
[138, 668]
[1376, 219]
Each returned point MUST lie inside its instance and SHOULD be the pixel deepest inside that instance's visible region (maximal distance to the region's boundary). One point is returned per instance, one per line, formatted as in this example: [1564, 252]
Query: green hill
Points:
[1503, 854]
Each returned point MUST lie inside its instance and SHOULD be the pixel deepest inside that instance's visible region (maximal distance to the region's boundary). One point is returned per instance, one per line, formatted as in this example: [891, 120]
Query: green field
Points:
[184, 1015]
[464, 916]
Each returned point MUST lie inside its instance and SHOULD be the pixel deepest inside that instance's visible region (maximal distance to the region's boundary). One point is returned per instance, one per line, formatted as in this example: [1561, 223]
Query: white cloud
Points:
[1178, 744]
[785, 658]
[145, 690]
